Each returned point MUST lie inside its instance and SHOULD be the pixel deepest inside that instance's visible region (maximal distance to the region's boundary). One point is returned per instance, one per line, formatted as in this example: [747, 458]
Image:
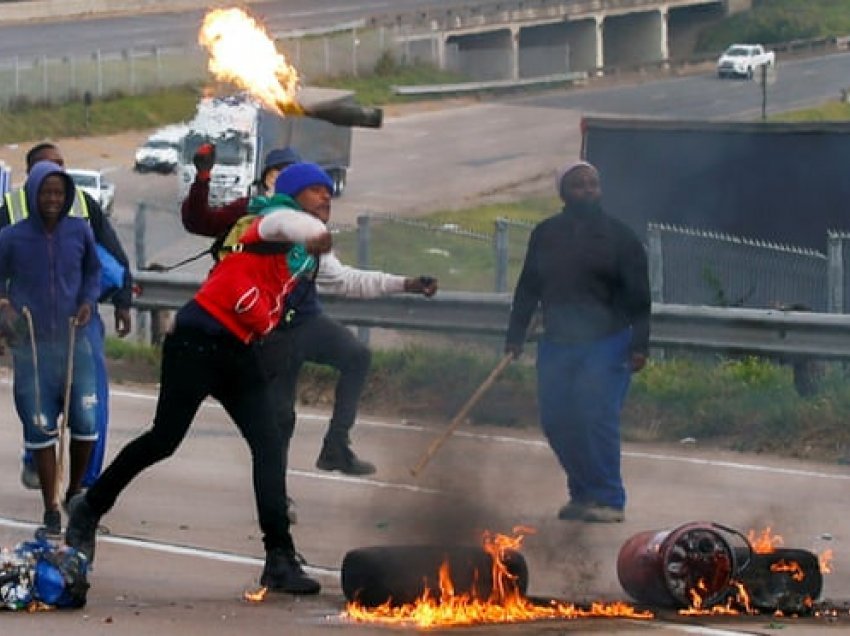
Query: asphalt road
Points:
[183, 543]
[119, 33]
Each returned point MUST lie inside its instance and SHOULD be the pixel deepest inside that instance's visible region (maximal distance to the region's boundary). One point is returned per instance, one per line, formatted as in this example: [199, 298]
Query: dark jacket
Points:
[54, 273]
[588, 273]
[106, 236]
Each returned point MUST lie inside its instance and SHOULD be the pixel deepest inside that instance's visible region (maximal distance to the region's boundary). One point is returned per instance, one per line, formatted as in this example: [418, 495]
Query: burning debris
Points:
[430, 586]
[242, 52]
[36, 576]
[707, 568]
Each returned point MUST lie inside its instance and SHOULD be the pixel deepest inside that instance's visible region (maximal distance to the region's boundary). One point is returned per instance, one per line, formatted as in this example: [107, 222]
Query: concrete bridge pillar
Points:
[514, 62]
[664, 31]
[600, 41]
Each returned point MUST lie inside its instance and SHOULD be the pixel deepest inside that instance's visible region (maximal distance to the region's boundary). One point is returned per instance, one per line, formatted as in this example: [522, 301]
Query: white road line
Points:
[361, 481]
[507, 439]
[173, 548]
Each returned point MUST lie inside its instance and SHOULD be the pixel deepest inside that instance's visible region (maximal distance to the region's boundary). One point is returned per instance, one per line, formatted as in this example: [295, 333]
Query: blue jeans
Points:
[581, 389]
[95, 334]
[40, 399]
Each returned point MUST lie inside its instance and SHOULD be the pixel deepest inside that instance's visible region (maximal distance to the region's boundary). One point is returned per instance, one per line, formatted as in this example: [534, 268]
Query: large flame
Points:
[243, 53]
[506, 603]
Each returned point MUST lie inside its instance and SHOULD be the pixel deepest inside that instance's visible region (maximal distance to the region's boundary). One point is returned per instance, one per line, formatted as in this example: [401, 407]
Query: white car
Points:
[742, 60]
[93, 183]
[161, 152]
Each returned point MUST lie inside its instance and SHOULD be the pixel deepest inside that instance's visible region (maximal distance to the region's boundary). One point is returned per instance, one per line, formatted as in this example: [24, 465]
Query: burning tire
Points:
[401, 574]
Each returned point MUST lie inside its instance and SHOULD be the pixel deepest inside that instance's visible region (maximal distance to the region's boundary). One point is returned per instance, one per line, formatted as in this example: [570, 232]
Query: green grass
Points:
[831, 111]
[108, 116]
[376, 89]
[775, 21]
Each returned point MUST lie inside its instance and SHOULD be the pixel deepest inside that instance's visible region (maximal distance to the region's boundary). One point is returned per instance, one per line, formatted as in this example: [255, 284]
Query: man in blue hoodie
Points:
[15, 209]
[49, 285]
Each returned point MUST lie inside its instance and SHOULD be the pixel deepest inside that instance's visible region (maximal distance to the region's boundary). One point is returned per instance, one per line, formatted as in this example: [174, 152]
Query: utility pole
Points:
[763, 92]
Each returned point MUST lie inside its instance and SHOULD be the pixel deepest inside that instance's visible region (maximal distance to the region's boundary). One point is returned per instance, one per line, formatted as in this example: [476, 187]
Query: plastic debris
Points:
[38, 573]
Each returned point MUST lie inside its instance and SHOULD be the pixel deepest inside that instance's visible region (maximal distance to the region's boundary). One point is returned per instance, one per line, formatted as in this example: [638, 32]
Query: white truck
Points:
[244, 132]
[744, 60]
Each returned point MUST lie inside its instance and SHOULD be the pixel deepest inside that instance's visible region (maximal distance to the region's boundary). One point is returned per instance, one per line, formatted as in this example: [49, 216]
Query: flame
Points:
[242, 52]
[257, 596]
[506, 603]
[792, 567]
[825, 561]
[735, 604]
[764, 542]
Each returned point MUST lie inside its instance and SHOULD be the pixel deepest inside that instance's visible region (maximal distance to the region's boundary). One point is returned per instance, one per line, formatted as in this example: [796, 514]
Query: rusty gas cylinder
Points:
[692, 565]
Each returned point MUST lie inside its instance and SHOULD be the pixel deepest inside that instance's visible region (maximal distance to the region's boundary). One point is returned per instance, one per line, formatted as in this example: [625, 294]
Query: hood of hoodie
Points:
[36, 177]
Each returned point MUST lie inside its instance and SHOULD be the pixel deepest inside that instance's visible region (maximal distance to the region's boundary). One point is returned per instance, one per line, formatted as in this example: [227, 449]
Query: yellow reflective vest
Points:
[17, 209]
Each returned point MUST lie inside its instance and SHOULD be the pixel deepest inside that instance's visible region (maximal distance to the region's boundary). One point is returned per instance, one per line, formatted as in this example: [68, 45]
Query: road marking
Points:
[177, 549]
[507, 439]
[361, 481]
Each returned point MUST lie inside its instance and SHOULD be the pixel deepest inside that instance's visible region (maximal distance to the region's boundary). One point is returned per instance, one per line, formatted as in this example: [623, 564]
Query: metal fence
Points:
[696, 267]
[687, 266]
[487, 258]
[346, 49]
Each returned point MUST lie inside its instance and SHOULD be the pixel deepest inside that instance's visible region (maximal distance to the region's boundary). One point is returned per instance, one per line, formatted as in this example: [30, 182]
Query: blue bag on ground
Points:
[40, 572]
[111, 273]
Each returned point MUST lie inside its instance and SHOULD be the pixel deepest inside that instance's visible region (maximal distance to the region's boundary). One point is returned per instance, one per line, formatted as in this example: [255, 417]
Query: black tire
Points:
[400, 573]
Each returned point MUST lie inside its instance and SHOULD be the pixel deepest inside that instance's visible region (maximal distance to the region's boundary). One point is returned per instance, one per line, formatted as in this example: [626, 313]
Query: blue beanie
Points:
[299, 176]
[280, 157]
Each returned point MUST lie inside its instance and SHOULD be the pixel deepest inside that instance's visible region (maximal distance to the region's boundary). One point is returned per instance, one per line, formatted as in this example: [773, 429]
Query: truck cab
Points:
[243, 133]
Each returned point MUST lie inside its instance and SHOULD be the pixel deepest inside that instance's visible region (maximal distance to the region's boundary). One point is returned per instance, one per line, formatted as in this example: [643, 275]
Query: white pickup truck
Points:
[742, 60]
[95, 184]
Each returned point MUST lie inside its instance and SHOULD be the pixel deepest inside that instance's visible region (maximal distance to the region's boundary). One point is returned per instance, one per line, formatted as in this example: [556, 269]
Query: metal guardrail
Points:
[474, 87]
[730, 330]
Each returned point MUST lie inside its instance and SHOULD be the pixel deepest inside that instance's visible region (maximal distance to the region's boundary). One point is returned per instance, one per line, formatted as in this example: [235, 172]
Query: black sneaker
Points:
[339, 456]
[283, 573]
[82, 526]
[51, 524]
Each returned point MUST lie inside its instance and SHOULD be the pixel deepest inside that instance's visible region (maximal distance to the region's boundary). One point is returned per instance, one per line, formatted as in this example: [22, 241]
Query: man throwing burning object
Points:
[217, 349]
[588, 274]
[306, 333]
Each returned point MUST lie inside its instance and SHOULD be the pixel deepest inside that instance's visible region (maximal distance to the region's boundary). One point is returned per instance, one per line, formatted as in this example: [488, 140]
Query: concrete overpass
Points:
[528, 38]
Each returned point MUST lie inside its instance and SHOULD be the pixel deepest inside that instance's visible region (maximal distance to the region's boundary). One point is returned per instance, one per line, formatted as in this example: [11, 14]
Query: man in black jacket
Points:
[13, 210]
[588, 274]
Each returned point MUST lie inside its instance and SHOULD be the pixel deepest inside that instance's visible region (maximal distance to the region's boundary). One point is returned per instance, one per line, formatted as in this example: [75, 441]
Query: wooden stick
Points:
[66, 408]
[464, 411]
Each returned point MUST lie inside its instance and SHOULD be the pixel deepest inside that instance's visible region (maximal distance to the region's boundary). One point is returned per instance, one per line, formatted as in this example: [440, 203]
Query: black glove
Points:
[204, 158]
[425, 285]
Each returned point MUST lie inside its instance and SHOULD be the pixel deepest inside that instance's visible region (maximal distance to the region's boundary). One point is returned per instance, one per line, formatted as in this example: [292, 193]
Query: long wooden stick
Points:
[66, 408]
[458, 419]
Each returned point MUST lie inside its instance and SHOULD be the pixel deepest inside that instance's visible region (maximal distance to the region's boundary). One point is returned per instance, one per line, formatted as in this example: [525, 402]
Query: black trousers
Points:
[195, 366]
[321, 340]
